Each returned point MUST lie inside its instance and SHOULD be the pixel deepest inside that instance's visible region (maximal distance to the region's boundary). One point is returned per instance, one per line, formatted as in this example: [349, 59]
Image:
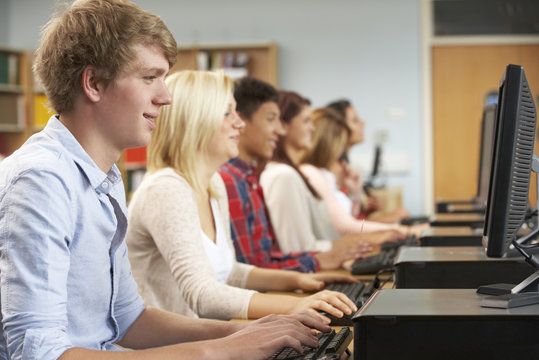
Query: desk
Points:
[442, 324]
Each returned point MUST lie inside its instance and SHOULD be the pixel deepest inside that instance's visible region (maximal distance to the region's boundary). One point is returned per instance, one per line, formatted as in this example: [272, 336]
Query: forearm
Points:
[195, 350]
[155, 327]
[272, 280]
[265, 304]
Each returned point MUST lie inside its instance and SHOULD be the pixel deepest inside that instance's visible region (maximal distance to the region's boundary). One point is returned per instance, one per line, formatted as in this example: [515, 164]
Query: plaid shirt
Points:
[251, 229]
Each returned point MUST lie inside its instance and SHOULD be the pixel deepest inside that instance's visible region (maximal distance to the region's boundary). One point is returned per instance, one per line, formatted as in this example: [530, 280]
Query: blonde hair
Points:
[329, 138]
[184, 128]
[99, 33]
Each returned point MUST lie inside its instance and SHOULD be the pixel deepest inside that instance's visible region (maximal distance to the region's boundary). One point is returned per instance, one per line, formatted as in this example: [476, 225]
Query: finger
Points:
[337, 302]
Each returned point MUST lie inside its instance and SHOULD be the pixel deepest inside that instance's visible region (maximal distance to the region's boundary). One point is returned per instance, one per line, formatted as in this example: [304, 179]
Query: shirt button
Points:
[104, 185]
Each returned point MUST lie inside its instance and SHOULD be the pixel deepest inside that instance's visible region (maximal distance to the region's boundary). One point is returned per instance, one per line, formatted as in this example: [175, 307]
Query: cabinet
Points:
[257, 60]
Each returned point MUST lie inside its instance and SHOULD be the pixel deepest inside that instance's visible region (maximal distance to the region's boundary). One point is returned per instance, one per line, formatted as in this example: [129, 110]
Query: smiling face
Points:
[223, 145]
[128, 107]
[259, 138]
[299, 131]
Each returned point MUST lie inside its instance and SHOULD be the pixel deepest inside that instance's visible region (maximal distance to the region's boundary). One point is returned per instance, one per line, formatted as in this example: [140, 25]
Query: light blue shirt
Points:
[65, 280]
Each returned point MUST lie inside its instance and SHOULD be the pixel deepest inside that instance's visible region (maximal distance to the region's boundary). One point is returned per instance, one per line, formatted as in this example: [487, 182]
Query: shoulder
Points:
[228, 175]
[163, 184]
[280, 170]
[43, 164]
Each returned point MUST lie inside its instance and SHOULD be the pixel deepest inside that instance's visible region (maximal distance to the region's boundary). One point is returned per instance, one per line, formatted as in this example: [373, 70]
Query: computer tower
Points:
[442, 324]
[454, 267]
[473, 220]
[451, 236]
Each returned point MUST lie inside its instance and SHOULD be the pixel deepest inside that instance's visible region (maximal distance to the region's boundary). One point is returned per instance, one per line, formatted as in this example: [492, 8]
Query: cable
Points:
[530, 258]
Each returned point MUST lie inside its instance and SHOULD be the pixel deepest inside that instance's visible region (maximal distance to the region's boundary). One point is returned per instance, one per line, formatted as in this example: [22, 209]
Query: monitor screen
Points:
[511, 162]
[485, 153]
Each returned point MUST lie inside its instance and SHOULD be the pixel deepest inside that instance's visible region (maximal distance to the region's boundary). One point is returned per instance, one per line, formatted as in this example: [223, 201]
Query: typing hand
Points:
[261, 338]
[331, 302]
[315, 282]
[376, 238]
[343, 250]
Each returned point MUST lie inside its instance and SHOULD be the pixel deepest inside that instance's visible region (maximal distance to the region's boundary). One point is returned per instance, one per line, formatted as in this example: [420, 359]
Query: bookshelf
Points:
[14, 91]
[259, 60]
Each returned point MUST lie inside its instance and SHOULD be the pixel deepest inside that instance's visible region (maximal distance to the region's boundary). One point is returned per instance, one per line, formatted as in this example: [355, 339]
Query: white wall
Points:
[4, 25]
[365, 50]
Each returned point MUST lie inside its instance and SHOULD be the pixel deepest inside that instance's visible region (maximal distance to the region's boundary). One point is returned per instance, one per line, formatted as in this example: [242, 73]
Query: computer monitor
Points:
[485, 155]
[370, 183]
[511, 166]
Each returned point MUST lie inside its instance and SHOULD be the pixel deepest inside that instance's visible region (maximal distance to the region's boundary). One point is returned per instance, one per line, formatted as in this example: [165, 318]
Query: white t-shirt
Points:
[219, 253]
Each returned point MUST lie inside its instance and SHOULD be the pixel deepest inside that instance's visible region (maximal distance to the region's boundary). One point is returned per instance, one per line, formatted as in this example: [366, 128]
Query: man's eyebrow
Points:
[156, 70]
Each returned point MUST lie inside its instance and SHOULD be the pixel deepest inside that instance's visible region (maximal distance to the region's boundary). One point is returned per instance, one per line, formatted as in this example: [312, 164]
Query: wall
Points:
[365, 50]
[4, 24]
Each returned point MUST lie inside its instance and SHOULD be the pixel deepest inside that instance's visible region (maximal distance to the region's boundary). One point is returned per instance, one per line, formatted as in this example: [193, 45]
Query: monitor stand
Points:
[465, 267]
[451, 236]
[442, 324]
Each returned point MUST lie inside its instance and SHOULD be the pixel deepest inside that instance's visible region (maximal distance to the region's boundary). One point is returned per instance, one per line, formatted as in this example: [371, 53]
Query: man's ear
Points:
[90, 86]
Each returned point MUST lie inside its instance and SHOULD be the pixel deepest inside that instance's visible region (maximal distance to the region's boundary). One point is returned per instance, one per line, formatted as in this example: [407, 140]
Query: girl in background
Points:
[298, 214]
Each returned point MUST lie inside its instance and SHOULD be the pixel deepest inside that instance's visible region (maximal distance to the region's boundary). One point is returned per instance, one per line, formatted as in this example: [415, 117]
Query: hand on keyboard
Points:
[330, 347]
[358, 292]
[260, 339]
[314, 282]
[333, 303]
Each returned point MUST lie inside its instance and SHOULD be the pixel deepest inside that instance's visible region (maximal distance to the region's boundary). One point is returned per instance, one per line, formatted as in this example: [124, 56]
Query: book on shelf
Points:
[42, 112]
[13, 112]
[135, 157]
[9, 69]
[231, 63]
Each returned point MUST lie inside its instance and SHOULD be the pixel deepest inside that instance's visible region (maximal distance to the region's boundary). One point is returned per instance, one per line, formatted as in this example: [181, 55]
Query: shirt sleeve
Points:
[129, 304]
[171, 218]
[289, 211]
[342, 220]
[36, 222]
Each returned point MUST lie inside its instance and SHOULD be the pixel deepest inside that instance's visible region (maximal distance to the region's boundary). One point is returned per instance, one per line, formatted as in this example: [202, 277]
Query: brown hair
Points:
[330, 138]
[290, 105]
[99, 33]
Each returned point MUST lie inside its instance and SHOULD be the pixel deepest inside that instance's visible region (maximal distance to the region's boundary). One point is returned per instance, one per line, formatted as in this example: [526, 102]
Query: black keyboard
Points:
[382, 260]
[358, 292]
[331, 346]
[407, 241]
[374, 263]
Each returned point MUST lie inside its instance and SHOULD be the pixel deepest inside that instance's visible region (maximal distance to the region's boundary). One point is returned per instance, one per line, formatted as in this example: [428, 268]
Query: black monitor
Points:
[370, 183]
[507, 201]
[485, 153]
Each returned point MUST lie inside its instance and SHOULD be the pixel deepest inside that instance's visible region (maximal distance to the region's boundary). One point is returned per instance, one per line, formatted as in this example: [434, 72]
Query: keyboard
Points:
[417, 220]
[374, 263]
[358, 292]
[382, 260]
[407, 241]
[331, 346]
